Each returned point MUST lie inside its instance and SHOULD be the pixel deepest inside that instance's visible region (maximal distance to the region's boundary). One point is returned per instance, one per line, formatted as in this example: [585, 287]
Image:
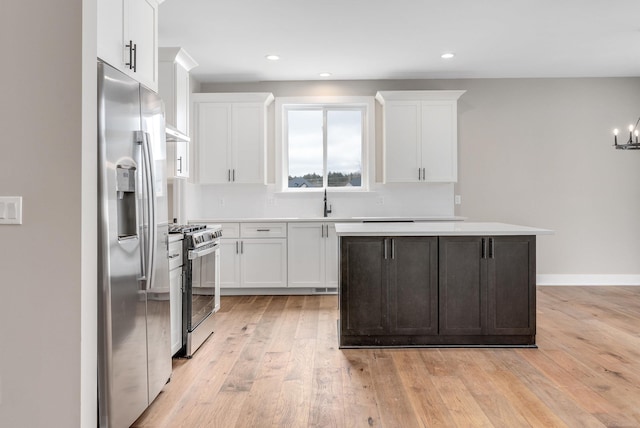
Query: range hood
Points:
[174, 135]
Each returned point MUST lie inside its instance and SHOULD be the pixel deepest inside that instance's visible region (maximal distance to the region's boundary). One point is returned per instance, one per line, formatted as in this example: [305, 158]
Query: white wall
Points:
[531, 151]
[48, 264]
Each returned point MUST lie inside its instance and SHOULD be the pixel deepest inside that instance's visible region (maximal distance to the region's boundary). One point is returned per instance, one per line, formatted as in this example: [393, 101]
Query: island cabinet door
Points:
[462, 275]
[511, 285]
[363, 286]
[413, 285]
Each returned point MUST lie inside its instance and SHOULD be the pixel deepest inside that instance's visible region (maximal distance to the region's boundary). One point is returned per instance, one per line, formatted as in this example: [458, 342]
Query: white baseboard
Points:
[568, 279]
[276, 291]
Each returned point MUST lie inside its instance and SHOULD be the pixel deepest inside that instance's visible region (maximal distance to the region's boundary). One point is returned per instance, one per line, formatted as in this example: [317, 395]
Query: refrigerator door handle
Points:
[148, 243]
[151, 201]
[141, 219]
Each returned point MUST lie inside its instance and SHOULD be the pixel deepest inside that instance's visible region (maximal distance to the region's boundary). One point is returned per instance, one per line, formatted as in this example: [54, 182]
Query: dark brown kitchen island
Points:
[437, 284]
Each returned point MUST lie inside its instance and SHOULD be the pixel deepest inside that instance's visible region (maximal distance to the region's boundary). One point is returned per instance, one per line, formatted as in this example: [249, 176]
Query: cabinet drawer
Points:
[230, 230]
[263, 230]
[175, 254]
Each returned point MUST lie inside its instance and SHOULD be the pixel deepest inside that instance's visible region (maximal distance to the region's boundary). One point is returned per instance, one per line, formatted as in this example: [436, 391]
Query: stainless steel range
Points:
[201, 291]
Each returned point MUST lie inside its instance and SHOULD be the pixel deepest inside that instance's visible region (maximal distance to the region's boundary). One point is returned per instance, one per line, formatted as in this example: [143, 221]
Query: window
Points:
[324, 146]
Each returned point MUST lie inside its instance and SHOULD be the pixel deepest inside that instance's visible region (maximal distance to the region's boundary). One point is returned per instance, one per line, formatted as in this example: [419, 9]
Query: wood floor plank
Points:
[586, 354]
[427, 403]
[474, 373]
[555, 399]
[459, 401]
[393, 401]
[327, 404]
[259, 407]
[360, 405]
[274, 361]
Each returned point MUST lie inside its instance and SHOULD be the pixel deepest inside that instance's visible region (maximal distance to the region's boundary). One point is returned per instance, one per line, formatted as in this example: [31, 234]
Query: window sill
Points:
[320, 190]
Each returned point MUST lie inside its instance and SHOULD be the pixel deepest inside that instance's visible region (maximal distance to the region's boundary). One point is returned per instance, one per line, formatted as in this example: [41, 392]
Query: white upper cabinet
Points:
[420, 135]
[230, 134]
[174, 66]
[128, 38]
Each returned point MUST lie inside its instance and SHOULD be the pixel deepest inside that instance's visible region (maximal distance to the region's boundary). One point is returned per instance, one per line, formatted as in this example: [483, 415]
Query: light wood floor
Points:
[274, 362]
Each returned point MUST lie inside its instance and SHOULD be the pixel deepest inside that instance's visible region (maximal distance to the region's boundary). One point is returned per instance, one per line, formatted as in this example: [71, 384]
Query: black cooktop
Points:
[186, 228]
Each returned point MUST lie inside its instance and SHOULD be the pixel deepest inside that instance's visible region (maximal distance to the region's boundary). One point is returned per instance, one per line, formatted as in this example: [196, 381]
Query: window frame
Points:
[283, 105]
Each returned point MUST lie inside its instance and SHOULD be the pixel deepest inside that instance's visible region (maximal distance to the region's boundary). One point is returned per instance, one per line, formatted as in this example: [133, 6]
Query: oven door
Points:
[203, 284]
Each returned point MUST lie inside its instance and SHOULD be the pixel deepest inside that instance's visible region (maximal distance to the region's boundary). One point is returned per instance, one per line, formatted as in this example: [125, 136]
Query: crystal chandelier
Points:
[632, 144]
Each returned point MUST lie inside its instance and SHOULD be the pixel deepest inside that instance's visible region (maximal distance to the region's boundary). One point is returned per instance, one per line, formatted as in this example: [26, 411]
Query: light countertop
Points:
[443, 228]
[327, 219]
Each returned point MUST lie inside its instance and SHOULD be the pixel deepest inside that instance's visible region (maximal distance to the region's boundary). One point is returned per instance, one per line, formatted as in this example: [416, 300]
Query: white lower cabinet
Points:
[229, 263]
[253, 262]
[313, 255]
[263, 263]
[175, 294]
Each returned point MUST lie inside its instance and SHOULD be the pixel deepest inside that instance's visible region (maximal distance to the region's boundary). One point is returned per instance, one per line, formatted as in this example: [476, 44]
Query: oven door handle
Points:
[194, 254]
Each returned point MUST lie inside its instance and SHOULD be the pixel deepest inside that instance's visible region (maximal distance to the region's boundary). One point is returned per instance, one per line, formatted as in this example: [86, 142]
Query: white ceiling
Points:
[403, 39]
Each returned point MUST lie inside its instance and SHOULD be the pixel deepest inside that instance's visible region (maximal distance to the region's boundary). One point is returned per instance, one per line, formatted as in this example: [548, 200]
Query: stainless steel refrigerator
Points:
[134, 357]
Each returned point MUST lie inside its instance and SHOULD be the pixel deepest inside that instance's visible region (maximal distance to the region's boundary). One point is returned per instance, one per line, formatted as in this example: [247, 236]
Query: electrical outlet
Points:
[11, 210]
[221, 201]
[458, 199]
[380, 200]
[271, 202]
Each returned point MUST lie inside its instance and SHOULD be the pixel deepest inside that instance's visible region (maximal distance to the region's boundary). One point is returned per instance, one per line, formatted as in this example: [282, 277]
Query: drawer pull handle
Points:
[264, 230]
[173, 256]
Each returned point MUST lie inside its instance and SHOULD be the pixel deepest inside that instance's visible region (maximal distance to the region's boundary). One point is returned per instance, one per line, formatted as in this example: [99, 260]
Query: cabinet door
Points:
[177, 159]
[462, 273]
[331, 256]
[511, 285]
[181, 99]
[175, 297]
[141, 27]
[229, 263]
[306, 252]
[212, 138]
[182, 159]
[402, 144]
[248, 143]
[363, 286]
[110, 32]
[413, 286]
[439, 141]
[264, 263]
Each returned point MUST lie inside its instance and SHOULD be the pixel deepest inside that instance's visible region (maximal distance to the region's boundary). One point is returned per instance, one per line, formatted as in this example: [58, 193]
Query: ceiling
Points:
[403, 39]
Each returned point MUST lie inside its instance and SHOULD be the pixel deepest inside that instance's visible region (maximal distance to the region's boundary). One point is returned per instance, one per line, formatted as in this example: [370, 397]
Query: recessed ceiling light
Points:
[447, 55]
[272, 57]
[325, 74]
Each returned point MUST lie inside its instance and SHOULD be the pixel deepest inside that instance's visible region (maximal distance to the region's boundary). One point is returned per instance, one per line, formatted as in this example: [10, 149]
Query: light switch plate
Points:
[10, 209]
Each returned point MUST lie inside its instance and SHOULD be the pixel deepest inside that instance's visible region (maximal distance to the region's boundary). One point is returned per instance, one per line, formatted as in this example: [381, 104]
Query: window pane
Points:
[305, 148]
[344, 148]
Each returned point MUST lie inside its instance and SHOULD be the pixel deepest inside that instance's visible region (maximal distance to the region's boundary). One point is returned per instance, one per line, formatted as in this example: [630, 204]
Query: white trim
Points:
[578, 279]
[293, 291]
[347, 101]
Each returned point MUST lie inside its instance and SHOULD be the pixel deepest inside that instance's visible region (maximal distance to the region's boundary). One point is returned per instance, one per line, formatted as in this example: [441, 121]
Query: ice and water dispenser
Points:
[126, 197]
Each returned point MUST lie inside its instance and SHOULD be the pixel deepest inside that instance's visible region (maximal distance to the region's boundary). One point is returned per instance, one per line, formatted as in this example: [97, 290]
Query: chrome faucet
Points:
[326, 211]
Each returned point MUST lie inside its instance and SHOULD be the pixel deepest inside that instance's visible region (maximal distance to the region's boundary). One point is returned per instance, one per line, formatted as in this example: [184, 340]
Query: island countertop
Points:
[437, 229]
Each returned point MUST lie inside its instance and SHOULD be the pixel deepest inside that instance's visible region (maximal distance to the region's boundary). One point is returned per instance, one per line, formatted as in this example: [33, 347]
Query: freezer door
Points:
[158, 310]
[122, 378]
